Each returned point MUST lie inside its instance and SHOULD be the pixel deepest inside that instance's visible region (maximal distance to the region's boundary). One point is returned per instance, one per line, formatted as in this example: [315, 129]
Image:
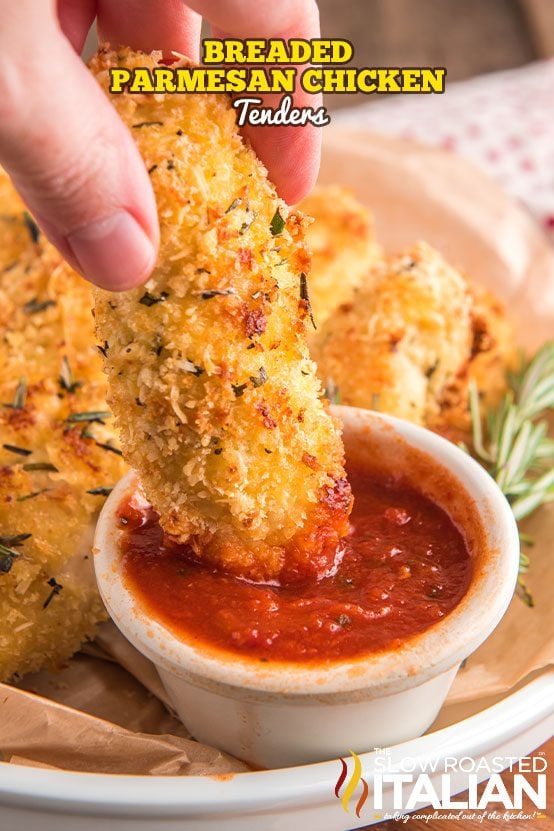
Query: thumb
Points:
[74, 162]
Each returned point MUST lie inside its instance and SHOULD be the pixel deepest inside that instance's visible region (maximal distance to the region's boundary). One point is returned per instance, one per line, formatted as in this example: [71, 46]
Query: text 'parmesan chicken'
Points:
[216, 398]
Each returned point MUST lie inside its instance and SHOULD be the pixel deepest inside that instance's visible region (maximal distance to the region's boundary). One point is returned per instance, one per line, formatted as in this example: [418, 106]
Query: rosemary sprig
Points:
[513, 445]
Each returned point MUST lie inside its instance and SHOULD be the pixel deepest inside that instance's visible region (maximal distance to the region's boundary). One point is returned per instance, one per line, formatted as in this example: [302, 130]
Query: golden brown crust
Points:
[216, 397]
[46, 335]
[412, 338]
[492, 356]
[342, 243]
[402, 336]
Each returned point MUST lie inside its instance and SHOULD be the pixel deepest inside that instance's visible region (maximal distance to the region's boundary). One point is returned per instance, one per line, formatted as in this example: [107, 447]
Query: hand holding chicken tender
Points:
[215, 395]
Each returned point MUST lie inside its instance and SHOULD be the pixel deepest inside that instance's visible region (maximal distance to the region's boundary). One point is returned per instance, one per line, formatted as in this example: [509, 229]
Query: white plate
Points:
[278, 800]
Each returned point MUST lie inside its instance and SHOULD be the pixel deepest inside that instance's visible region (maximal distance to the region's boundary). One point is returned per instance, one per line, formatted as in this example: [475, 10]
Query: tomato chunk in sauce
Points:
[404, 566]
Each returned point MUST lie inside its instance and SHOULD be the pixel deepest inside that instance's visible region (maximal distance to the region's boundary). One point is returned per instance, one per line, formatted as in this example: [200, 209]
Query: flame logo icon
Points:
[352, 784]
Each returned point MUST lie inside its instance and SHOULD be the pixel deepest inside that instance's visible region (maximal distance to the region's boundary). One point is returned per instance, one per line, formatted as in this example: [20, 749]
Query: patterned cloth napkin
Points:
[503, 122]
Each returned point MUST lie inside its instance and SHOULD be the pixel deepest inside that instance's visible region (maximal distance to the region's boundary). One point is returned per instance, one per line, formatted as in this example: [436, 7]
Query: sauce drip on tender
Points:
[405, 566]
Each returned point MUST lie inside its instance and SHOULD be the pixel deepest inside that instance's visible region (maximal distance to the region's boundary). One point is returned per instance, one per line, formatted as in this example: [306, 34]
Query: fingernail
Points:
[113, 253]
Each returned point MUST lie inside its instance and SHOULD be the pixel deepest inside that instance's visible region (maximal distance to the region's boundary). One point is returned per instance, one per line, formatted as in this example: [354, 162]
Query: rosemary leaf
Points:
[109, 447]
[7, 556]
[21, 451]
[32, 227]
[31, 495]
[514, 447]
[34, 306]
[277, 224]
[148, 299]
[15, 541]
[41, 466]
[95, 415]
[20, 396]
[56, 589]
[67, 381]
[304, 295]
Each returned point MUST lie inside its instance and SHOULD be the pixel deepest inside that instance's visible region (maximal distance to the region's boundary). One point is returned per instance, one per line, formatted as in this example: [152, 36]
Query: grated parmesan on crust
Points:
[216, 398]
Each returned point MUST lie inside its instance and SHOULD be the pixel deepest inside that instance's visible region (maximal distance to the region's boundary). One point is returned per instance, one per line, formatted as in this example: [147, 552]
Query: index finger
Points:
[291, 154]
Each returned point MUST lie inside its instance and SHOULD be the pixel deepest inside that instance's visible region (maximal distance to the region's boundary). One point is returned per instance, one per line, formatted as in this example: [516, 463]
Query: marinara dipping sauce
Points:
[405, 565]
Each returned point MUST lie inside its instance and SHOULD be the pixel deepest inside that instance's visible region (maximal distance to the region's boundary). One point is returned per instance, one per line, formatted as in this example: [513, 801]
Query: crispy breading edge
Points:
[217, 400]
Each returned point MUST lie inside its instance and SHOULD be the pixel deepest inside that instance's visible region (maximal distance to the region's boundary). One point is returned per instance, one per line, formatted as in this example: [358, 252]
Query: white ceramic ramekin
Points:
[275, 717]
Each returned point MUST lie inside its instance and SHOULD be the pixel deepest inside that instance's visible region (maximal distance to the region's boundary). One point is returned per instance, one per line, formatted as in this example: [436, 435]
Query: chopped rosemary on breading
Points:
[67, 381]
[250, 217]
[104, 349]
[41, 466]
[148, 299]
[259, 379]
[34, 306]
[209, 293]
[304, 295]
[238, 389]
[56, 589]
[15, 541]
[277, 224]
[7, 556]
[20, 396]
[100, 491]
[109, 447]
[21, 451]
[95, 415]
[32, 226]
[190, 366]
[31, 495]
[234, 204]
[147, 124]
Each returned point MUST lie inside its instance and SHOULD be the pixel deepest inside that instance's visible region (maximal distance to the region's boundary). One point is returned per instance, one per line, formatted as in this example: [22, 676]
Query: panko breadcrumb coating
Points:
[401, 338]
[217, 401]
[343, 246]
[410, 341]
[492, 356]
[51, 372]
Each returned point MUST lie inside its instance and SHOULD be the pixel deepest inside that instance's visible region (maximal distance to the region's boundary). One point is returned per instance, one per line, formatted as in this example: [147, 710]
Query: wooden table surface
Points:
[546, 823]
[469, 37]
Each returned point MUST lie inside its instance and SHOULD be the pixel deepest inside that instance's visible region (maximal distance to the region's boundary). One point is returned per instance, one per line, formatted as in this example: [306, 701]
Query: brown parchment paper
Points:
[106, 711]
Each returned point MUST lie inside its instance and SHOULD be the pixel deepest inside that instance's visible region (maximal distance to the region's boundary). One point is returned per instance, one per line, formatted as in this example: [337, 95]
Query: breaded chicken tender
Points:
[411, 340]
[343, 246]
[400, 339]
[492, 356]
[52, 450]
[216, 398]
